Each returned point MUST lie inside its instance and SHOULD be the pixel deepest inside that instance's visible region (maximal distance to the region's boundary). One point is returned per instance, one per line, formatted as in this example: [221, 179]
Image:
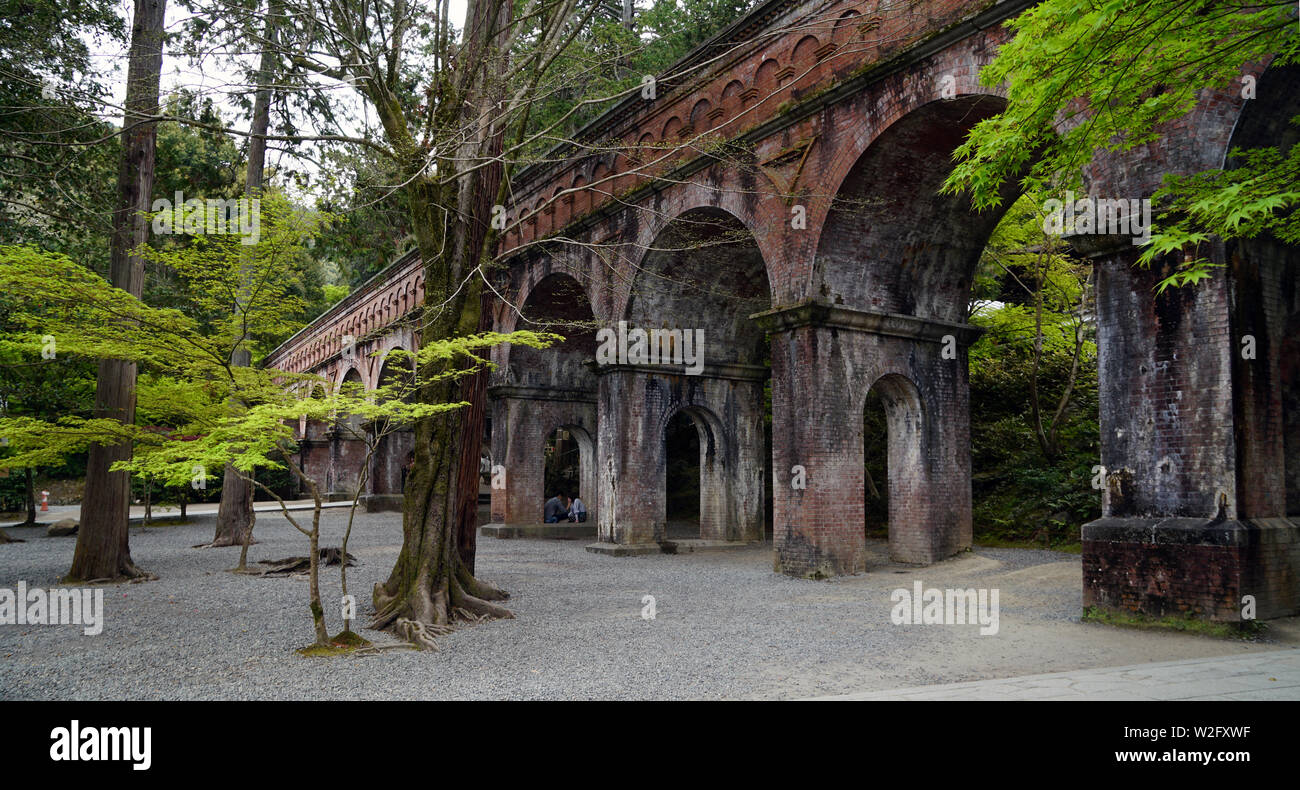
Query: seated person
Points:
[577, 511]
[555, 508]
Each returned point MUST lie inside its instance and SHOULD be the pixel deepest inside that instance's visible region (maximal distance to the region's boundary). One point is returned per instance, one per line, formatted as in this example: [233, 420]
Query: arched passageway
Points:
[543, 392]
[702, 368]
[893, 267]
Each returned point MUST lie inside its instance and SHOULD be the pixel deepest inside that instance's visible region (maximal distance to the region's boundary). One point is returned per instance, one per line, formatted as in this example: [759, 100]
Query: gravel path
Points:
[726, 626]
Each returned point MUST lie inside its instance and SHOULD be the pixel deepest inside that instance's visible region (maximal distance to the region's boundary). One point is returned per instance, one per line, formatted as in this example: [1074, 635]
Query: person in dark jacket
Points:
[556, 508]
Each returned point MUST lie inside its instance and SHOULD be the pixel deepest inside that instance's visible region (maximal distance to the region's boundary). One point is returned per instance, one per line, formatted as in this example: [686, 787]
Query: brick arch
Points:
[555, 300]
[600, 187]
[528, 225]
[341, 375]
[731, 103]
[714, 286]
[765, 218]
[382, 365]
[707, 423]
[699, 117]
[845, 28]
[581, 197]
[645, 148]
[765, 78]
[623, 179]
[921, 263]
[804, 54]
[540, 268]
[551, 210]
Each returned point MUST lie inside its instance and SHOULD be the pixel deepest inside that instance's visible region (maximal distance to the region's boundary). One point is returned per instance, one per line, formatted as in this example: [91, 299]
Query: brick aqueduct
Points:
[781, 195]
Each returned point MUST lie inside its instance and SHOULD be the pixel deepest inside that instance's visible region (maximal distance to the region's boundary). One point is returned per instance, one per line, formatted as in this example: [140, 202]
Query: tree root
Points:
[420, 634]
[421, 617]
[290, 566]
[479, 588]
[221, 544]
[140, 577]
[7, 538]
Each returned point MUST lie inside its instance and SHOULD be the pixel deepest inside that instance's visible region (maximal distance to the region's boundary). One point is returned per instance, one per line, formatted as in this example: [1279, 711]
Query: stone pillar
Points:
[1193, 509]
[314, 455]
[347, 455]
[499, 480]
[587, 471]
[732, 470]
[386, 480]
[629, 459]
[825, 359]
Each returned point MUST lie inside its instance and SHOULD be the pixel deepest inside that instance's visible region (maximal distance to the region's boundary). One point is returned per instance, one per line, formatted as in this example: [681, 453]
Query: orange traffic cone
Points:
[45, 501]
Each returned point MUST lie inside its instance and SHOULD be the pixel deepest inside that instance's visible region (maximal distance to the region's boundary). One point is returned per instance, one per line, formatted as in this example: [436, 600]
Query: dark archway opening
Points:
[875, 472]
[556, 304]
[682, 477]
[1265, 273]
[563, 464]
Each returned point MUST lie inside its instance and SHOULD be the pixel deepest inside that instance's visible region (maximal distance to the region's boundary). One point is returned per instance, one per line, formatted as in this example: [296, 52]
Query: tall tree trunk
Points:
[235, 515]
[474, 392]
[102, 551]
[431, 584]
[30, 483]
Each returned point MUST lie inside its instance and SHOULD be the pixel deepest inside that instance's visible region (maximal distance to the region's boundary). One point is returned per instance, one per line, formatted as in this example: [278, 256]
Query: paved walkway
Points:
[1274, 675]
[57, 512]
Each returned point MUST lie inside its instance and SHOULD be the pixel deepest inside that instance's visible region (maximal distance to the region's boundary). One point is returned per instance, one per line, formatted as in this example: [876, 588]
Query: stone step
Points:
[539, 531]
[682, 546]
[689, 545]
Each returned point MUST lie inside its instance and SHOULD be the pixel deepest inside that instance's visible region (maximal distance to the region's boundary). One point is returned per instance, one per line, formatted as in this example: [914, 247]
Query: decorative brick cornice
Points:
[723, 370]
[514, 392]
[812, 312]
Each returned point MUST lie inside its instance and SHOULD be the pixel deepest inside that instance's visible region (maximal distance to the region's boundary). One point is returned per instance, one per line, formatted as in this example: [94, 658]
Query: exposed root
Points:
[420, 634]
[221, 544]
[7, 538]
[374, 650]
[290, 566]
[141, 576]
[479, 588]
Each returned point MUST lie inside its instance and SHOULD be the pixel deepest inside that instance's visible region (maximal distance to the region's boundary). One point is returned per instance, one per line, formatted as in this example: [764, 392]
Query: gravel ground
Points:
[726, 625]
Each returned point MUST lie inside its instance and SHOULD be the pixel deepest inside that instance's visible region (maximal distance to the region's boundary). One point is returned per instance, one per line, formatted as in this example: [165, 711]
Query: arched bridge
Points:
[777, 198]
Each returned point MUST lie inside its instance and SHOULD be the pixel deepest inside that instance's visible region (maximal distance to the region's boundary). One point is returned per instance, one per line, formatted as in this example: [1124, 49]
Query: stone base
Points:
[539, 531]
[691, 545]
[1188, 566]
[383, 503]
[624, 549]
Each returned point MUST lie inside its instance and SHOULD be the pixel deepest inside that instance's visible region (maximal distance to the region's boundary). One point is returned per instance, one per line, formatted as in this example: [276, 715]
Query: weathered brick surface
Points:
[523, 421]
[636, 405]
[1164, 567]
[825, 360]
[1198, 393]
